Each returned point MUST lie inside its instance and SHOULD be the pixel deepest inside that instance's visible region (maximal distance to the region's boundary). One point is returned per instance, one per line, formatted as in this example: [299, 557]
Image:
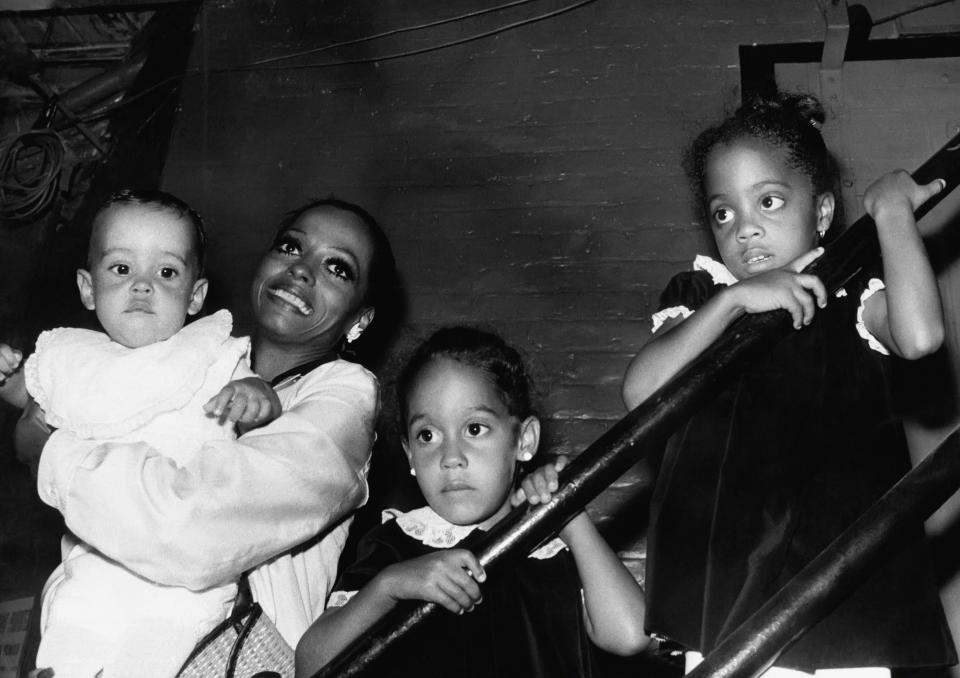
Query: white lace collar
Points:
[721, 274]
[428, 527]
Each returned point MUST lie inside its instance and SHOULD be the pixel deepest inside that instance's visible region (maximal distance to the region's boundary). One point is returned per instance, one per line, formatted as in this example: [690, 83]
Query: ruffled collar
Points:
[721, 274]
[428, 527]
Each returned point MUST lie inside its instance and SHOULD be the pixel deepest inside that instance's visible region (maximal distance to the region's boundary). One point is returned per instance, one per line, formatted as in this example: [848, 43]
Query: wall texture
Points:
[530, 181]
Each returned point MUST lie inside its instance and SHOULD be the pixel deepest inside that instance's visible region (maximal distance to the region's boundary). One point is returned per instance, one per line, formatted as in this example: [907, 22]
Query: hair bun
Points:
[785, 106]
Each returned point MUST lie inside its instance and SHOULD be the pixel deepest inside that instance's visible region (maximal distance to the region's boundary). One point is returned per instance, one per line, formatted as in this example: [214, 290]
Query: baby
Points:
[148, 379]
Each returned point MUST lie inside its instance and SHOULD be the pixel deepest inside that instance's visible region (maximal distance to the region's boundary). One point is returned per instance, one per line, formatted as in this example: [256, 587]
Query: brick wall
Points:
[528, 181]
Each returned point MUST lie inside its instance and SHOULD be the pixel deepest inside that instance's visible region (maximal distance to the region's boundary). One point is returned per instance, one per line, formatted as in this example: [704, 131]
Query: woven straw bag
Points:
[245, 645]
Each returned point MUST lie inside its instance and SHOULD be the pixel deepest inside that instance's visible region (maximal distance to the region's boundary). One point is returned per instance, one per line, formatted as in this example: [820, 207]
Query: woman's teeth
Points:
[292, 299]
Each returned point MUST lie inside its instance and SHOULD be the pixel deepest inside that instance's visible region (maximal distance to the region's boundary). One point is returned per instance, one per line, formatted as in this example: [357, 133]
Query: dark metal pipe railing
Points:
[647, 425]
[820, 586]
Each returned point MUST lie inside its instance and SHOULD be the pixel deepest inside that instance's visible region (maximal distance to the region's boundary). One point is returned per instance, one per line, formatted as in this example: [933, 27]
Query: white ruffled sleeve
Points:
[873, 286]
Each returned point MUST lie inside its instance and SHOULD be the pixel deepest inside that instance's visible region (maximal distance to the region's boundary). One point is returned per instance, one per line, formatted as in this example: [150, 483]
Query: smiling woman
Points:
[277, 502]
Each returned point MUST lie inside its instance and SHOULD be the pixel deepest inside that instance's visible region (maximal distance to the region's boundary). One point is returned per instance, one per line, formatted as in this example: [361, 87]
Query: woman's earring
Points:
[526, 456]
[413, 471]
[354, 333]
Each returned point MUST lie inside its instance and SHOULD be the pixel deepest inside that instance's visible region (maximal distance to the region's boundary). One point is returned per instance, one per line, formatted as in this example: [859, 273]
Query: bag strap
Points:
[242, 633]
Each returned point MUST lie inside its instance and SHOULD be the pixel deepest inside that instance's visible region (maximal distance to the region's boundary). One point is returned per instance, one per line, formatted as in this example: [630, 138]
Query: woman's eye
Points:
[168, 273]
[287, 246]
[771, 202]
[477, 429]
[722, 215]
[341, 269]
[120, 269]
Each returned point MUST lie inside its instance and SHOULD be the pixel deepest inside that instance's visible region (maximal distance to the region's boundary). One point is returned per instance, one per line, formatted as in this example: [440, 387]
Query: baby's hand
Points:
[539, 486]
[250, 402]
[9, 361]
[786, 288]
[449, 578]
[896, 194]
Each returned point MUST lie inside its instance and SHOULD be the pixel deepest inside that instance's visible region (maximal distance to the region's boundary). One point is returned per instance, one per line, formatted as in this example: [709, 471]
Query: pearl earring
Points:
[413, 471]
[526, 456]
[354, 333]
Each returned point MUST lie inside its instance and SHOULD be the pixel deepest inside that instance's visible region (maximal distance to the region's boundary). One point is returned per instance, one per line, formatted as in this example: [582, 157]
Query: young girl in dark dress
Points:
[806, 438]
[467, 422]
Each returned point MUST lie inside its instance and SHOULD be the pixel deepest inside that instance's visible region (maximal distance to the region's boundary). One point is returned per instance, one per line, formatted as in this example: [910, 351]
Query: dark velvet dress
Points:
[529, 624]
[757, 483]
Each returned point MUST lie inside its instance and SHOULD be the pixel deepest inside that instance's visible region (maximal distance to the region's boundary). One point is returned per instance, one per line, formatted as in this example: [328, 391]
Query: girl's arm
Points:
[614, 604]
[449, 578]
[906, 317]
[680, 341]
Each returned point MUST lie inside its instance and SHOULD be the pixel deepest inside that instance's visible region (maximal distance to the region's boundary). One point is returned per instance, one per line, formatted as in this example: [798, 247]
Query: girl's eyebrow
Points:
[759, 184]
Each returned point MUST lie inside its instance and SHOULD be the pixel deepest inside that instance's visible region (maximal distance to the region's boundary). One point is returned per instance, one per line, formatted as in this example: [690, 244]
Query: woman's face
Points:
[310, 286]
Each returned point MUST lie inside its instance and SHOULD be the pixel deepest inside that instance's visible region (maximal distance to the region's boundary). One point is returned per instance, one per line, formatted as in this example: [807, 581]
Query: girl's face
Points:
[763, 213]
[142, 281]
[463, 444]
[309, 288]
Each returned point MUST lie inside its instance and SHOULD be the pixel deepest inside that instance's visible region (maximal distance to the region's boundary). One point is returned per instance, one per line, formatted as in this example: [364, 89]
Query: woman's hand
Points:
[249, 402]
[797, 293]
[30, 435]
[9, 361]
[449, 578]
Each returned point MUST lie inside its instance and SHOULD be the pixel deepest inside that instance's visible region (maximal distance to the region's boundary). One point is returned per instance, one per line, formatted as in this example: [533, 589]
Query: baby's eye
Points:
[424, 436]
[476, 429]
[120, 269]
[722, 215]
[168, 273]
[771, 202]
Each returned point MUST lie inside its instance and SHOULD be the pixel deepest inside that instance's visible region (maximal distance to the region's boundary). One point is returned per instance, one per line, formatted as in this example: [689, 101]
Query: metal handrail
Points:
[651, 422]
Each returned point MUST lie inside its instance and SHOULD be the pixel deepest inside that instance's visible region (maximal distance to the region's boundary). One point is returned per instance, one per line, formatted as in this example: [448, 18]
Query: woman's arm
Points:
[679, 342]
[906, 317]
[238, 503]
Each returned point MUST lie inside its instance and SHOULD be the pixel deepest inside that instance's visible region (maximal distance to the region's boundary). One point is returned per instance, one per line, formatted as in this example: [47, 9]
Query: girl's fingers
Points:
[807, 307]
[805, 259]
[815, 286]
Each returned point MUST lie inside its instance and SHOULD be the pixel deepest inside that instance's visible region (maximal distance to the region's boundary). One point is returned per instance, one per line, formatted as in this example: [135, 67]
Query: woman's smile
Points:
[292, 298]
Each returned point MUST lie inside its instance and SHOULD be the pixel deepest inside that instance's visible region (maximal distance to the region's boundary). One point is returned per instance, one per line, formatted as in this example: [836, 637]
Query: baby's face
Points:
[142, 281]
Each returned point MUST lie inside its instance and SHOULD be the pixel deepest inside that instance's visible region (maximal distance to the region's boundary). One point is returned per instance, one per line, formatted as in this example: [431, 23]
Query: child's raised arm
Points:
[13, 388]
[614, 604]
[679, 341]
[906, 317]
[449, 578]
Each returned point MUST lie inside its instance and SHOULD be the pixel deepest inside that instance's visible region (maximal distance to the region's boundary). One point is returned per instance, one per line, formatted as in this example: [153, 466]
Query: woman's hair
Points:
[161, 201]
[787, 122]
[384, 293]
[485, 351]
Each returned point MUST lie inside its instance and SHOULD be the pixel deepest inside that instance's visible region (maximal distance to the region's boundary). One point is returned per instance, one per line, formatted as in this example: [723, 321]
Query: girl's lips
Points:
[456, 486]
[291, 298]
[756, 257]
